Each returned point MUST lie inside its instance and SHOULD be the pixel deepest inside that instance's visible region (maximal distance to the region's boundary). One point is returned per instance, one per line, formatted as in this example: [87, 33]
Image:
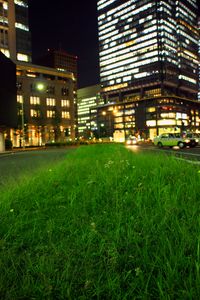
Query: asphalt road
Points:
[17, 165]
[188, 154]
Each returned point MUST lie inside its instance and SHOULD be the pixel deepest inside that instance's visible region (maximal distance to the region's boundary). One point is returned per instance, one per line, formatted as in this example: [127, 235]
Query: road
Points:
[15, 166]
[188, 154]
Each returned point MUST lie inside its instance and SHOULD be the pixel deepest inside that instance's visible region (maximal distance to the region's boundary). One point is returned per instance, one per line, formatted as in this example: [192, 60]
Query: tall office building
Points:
[148, 52]
[88, 99]
[15, 39]
[149, 47]
[199, 60]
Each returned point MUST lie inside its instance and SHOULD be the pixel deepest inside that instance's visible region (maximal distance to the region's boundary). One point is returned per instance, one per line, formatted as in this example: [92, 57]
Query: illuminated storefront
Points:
[149, 118]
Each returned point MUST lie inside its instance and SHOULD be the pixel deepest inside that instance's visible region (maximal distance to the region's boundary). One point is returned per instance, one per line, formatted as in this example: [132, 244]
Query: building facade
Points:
[88, 99]
[149, 117]
[46, 96]
[15, 39]
[149, 50]
[60, 60]
[45, 100]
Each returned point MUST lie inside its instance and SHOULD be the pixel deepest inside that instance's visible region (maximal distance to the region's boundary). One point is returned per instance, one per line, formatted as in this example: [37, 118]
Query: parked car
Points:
[175, 139]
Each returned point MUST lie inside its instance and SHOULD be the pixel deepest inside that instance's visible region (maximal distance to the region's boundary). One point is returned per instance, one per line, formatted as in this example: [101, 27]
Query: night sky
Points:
[70, 25]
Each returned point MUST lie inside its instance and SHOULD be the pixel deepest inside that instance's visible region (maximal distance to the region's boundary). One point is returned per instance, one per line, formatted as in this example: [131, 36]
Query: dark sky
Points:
[71, 25]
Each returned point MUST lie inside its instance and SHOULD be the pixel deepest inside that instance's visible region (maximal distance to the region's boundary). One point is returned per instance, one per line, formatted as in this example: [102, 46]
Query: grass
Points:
[104, 224]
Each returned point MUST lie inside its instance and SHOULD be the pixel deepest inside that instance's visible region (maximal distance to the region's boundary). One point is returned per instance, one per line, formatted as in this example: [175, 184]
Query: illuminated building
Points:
[88, 99]
[62, 61]
[15, 40]
[45, 99]
[148, 49]
[149, 117]
[46, 96]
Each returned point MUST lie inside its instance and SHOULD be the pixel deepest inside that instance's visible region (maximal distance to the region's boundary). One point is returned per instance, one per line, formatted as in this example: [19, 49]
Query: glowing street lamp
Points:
[40, 86]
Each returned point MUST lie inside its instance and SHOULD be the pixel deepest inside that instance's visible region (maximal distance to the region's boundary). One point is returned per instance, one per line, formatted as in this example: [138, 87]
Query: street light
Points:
[40, 86]
[22, 107]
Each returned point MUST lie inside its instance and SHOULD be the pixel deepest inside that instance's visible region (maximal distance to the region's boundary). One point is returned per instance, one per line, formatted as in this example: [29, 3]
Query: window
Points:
[151, 109]
[51, 113]
[65, 92]
[65, 115]
[22, 57]
[19, 98]
[65, 103]
[35, 113]
[50, 102]
[19, 86]
[34, 100]
[50, 90]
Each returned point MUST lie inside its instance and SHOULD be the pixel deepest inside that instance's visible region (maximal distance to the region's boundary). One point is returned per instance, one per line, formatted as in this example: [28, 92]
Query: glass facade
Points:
[88, 99]
[146, 43]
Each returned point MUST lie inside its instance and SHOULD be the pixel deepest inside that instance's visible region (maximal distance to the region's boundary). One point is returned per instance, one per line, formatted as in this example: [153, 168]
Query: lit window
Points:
[21, 26]
[151, 123]
[151, 109]
[51, 113]
[5, 52]
[22, 57]
[50, 102]
[65, 115]
[19, 98]
[35, 113]
[65, 103]
[34, 100]
[21, 3]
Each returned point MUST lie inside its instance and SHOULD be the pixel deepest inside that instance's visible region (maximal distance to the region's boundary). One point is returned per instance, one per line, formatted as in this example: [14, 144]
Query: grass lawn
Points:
[104, 224]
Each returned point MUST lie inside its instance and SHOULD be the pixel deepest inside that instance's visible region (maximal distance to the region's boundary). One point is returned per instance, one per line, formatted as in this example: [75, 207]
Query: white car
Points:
[174, 139]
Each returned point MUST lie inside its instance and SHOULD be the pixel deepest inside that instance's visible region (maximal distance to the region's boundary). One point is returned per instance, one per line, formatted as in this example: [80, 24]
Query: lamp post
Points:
[23, 140]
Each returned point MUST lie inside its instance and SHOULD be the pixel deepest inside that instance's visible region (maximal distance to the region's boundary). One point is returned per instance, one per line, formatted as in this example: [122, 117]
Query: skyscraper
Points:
[148, 53]
[149, 47]
[15, 40]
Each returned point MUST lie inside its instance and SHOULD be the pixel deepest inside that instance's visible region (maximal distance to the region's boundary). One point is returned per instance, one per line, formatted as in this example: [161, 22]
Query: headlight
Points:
[128, 142]
[187, 141]
[196, 140]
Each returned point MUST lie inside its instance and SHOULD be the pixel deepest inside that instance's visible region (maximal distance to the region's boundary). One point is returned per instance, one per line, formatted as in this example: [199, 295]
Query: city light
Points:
[40, 86]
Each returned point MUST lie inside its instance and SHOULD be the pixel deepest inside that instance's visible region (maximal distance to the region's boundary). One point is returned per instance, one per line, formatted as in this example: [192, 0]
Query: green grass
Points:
[104, 224]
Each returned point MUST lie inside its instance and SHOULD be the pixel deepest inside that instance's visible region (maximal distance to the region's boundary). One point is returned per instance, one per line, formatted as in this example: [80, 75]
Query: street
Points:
[189, 154]
[17, 165]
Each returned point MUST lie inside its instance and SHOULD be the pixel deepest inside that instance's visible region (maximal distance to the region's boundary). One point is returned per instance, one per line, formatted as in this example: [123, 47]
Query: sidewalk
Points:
[8, 152]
